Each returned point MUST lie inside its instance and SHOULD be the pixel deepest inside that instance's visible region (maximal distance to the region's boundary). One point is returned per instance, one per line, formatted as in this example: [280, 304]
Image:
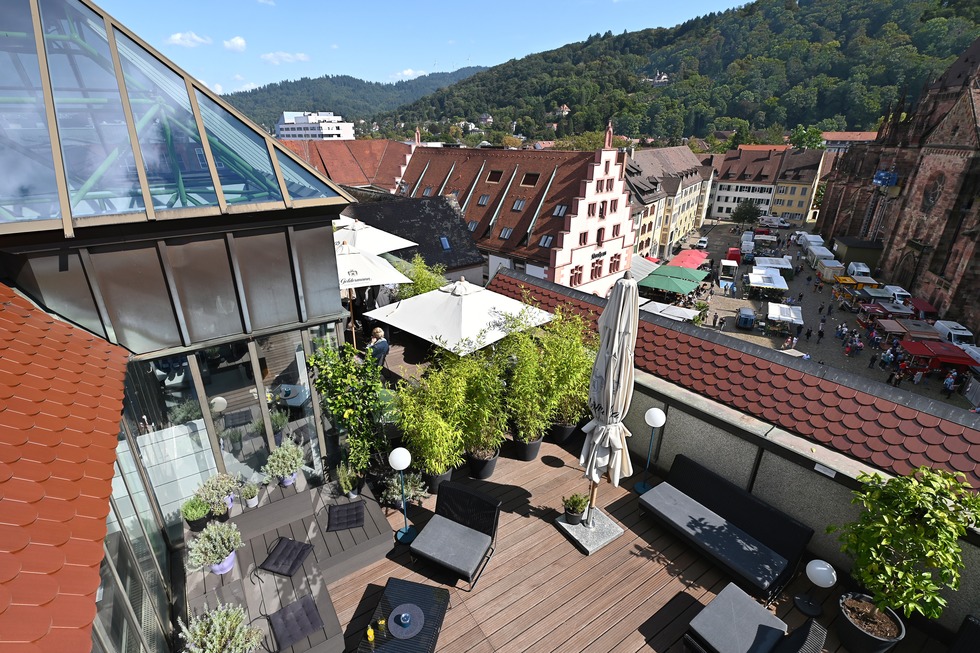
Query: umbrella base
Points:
[589, 540]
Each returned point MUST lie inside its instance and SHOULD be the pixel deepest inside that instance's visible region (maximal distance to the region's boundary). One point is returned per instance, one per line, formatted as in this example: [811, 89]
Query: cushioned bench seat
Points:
[736, 549]
[452, 545]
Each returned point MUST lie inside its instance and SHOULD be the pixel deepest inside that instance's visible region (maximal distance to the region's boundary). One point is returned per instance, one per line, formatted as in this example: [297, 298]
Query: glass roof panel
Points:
[301, 184]
[241, 155]
[176, 168]
[28, 190]
[98, 154]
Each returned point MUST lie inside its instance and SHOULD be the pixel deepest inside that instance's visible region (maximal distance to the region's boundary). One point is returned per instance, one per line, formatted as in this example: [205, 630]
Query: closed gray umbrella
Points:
[611, 389]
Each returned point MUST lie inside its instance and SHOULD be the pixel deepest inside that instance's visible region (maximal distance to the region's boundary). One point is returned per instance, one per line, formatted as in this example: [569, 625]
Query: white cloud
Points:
[188, 39]
[408, 73]
[238, 78]
[248, 86]
[218, 88]
[276, 58]
[271, 3]
[334, 46]
[235, 44]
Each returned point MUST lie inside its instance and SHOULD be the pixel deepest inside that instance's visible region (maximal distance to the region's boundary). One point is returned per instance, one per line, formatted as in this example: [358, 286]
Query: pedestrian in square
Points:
[820, 309]
[830, 309]
[809, 332]
[799, 329]
[872, 361]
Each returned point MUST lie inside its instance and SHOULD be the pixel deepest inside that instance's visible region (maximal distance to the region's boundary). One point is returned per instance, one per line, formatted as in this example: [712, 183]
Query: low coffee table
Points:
[431, 602]
[734, 623]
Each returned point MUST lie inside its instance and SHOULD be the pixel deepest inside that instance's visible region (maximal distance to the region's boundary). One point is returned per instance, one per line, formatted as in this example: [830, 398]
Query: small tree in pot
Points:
[569, 346]
[575, 506]
[526, 401]
[905, 545]
[428, 415]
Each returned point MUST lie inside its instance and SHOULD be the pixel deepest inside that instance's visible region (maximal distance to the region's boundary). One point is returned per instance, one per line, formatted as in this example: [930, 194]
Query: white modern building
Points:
[317, 126]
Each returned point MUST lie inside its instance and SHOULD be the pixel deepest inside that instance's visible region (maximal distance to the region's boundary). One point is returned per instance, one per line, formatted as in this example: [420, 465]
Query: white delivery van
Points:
[954, 332]
[769, 221]
[811, 240]
[828, 268]
[858, 269]
[899, 295]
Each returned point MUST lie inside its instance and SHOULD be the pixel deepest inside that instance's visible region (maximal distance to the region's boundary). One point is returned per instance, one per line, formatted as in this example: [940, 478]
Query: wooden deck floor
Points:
[540, 594]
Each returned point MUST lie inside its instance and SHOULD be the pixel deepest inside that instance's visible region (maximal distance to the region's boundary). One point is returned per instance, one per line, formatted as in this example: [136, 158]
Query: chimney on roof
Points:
[609, 135]
[418, 135]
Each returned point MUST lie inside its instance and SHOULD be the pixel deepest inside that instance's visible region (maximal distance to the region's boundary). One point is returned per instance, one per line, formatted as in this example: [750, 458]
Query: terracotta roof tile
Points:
[61, 401]
[844, 413]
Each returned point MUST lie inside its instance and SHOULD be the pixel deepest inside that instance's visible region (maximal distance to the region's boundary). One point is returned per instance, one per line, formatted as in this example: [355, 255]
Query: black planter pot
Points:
[527, 451]
[434, 481]
[197, 525]
[562, 433]
[856, 640]
[222, 517]
[482, 469]
[573, 518]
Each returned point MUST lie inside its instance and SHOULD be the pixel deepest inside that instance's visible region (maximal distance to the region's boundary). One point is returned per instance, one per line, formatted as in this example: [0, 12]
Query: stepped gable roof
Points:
[376, 162]
[750, 164]
[472, 173]
[801, 166]
[61, 392]
[871, 422]
[425, 221]
[962, 71]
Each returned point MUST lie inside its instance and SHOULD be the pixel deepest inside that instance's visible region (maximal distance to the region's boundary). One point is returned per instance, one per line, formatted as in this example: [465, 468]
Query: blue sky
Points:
[239, 44]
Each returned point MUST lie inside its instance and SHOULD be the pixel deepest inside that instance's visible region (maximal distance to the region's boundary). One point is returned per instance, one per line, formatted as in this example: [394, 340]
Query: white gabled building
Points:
[315, 126]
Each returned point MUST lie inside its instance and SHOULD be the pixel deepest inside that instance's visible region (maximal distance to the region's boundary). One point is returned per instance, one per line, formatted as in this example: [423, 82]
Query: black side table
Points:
[432, 601]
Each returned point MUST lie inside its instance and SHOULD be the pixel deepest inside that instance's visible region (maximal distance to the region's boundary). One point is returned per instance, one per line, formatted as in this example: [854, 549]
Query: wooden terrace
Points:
[540, 594]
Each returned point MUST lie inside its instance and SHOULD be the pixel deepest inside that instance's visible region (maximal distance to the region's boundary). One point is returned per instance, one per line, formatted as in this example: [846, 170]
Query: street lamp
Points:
[655, 418]
[400, 459]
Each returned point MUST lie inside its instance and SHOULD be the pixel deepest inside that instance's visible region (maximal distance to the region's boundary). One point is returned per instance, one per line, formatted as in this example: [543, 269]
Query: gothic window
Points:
[933, 190]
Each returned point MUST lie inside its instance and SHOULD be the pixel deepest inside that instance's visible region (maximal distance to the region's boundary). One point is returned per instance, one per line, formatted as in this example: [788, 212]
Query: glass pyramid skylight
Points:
[95, 124]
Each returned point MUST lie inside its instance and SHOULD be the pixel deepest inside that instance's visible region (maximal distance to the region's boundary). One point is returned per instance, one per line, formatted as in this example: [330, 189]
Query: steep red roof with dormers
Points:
[869, 421]
[468, 171]
[61, 392]
[355, 163]
[751, 165]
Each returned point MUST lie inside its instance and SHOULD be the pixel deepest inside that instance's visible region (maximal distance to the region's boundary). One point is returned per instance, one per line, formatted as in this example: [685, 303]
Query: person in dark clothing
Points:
[799, 330]
[809, 332]
[872, 361]
[378, 347]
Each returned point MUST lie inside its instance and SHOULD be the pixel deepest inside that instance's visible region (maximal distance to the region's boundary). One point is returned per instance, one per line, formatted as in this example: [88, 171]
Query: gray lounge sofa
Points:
[760, 546]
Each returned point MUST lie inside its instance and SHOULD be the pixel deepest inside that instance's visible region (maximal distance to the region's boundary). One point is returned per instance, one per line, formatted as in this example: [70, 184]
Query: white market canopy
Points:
[460, 316]
[774, 263]
[785, 313]
[772, 280]
[669, 311]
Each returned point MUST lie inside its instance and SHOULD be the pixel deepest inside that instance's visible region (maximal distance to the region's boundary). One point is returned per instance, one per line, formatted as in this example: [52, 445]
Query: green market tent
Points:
[677, 272]
[669, 284]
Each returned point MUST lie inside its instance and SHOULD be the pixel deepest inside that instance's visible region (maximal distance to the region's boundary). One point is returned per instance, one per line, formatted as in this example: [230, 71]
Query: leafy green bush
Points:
[285, 461]
[575, 504]
[224, 629]
[194, 508]
[214, 544]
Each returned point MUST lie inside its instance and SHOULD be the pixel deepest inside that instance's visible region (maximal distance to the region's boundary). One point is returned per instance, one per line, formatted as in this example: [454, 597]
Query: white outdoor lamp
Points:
[821, 574]
[400, 459]
[655, 418]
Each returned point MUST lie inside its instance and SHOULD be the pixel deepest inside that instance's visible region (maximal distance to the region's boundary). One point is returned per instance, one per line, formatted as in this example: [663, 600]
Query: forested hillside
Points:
[836, 64]
[347, 96]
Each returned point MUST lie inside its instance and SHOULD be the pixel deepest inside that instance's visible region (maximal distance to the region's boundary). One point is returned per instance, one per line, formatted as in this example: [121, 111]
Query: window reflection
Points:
[165, 417]
[226, 371]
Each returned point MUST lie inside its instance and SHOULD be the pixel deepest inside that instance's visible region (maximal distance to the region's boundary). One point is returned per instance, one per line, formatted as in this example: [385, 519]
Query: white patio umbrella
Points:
[460, 316]
[368, 239]
[357, 269]
[611, 389]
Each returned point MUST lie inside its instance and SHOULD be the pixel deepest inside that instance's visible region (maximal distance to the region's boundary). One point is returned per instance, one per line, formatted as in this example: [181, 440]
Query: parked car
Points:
[702, 243]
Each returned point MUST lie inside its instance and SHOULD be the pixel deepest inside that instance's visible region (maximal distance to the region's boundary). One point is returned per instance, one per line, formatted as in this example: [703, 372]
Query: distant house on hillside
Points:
[317, 126]
[842, 141]
[486, 119]
[556, 215]
[365, 163]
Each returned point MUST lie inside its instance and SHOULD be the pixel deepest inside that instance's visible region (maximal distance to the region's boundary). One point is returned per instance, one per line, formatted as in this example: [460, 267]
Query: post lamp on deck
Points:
[400, 459]
[655, 418]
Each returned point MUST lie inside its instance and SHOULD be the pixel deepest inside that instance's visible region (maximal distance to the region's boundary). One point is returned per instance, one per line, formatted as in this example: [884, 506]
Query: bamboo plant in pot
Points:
[428, 415]
[906, 552]
[569, 348]
[527, 404]
[482, 415]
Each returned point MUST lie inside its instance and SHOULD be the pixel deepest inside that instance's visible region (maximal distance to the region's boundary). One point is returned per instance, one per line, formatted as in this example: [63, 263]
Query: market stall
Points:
[781, 319]
[765, 283]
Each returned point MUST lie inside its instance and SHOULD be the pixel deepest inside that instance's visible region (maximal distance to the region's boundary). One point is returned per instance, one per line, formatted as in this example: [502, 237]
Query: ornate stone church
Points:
[915, 189]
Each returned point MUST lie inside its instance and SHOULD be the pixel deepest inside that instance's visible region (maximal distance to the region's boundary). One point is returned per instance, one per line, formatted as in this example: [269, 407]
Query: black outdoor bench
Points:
[967, 637]
[460, 536]
[759, 545]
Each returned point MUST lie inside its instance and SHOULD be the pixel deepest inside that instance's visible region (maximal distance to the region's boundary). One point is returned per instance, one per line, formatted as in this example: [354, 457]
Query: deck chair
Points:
[461, 535]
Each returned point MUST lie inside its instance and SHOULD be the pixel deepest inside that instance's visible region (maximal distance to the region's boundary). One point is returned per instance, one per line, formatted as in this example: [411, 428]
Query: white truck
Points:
[955, 333]
[858, 269]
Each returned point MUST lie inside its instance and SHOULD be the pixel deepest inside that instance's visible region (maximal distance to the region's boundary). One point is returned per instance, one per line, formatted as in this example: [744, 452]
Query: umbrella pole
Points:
[593, 493]
[353, 327]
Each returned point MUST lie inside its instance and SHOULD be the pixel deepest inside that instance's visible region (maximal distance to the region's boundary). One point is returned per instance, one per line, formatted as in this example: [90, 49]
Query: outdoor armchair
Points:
[461, 535]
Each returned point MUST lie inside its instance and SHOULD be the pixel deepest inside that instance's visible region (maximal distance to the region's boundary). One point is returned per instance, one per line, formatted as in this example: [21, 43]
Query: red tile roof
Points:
[874, 423]
[61, 392]
[356, 163]
[859, 137]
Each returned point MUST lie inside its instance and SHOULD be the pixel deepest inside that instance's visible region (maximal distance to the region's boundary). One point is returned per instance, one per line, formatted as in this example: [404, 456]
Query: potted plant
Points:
[215, 548]
[575, 506]
[348, 480]
[905, 547]
[250, 494]
[224, 629]
[217, 490]
[350, 394]
[415, 489]
[195, 511]
[220, 512]
[284, 463]
[526, 402]
[482, 416]
[428, 414]
[234, 439]
[569, 348]
[280, 420]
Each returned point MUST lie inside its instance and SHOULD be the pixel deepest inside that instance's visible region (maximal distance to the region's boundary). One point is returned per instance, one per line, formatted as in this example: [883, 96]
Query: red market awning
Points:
[689, 258]
[943, 352]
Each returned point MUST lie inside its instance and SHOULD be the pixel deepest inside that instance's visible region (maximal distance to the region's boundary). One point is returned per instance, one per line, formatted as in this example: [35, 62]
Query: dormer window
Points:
[518, 205]
[484, 200]
[546, 241]
[560, 210]
[506, 232]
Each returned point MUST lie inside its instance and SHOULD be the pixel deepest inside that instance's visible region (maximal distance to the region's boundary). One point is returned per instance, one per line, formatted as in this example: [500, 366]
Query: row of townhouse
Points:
[780, 180]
